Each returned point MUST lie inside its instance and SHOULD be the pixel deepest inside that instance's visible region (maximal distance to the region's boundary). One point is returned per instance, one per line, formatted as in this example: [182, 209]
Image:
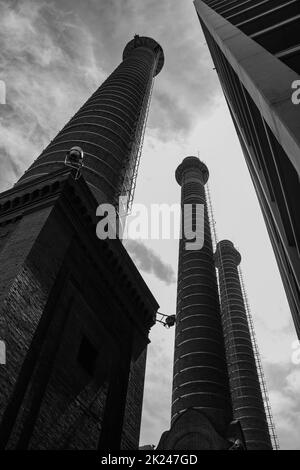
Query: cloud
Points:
[55, 54]
[293, 381]
[49, 67]
[158, 385]
[283, 339]
[148, 261]
[283, 384]
[282, 403]
[187, 87]
[285, 405]
[282, 378]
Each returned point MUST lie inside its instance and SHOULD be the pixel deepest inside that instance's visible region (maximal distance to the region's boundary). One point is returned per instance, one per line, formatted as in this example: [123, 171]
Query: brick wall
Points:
[134, 403]
[21, 299]
[52, 292]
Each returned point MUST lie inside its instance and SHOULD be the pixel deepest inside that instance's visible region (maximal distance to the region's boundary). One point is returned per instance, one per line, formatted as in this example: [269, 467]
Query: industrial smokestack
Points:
[201, 408]
[109, 126]
[246, 395]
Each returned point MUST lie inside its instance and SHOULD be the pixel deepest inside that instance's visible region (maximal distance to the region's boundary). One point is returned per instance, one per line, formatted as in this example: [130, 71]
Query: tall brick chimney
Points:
[201, 408]
[246, 395]
[109, 126]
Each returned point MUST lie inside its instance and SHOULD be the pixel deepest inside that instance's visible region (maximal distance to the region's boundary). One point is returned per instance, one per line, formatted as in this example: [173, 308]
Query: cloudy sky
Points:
[54, 54]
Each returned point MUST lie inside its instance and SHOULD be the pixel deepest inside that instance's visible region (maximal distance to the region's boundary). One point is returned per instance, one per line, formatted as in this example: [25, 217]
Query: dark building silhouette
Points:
[201, 407]
[246, 396]
[75, 312]
[255, 48]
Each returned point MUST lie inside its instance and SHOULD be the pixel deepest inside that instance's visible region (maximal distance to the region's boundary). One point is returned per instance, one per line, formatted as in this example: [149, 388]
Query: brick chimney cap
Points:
[144, 41]
[189, 163]
[226, 248]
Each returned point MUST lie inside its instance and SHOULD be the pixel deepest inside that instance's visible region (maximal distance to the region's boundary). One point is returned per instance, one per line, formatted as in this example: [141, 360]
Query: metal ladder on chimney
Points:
[262, 380]
[261, 375]
[225, 306]
[134, 156]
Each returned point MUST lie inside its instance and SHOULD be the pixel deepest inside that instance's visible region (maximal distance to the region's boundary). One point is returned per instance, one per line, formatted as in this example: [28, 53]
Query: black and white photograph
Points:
[149, 229]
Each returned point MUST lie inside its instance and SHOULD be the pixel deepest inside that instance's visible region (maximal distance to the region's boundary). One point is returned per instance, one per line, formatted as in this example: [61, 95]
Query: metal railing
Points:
[261, 375]
[134, 157]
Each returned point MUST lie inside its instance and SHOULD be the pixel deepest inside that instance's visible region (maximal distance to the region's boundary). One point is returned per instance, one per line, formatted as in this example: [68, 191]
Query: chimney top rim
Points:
[147, 42]
[189, 163]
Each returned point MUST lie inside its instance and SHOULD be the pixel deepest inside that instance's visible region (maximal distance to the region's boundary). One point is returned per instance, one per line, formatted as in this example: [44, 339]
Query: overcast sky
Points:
[54, 55]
